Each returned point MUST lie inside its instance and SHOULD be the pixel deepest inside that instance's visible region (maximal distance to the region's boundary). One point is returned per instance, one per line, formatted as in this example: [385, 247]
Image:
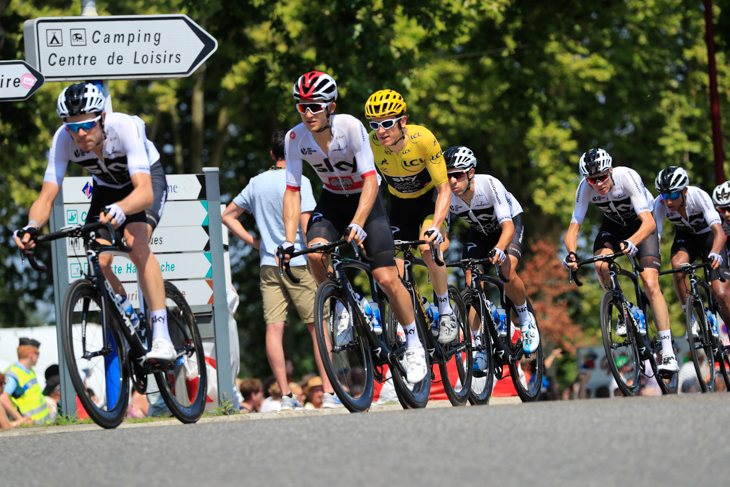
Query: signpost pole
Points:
[220, 301]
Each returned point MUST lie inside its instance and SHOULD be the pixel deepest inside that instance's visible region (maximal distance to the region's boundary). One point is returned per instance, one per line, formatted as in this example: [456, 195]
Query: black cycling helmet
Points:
[79, 99]
[459, 157]
[671, 179]
[595, 161]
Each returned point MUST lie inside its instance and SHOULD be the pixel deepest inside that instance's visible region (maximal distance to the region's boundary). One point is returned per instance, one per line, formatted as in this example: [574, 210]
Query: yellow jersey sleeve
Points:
[435, 163]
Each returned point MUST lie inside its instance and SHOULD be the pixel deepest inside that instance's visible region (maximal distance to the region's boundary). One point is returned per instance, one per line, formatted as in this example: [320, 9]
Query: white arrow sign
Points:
[165, 239]
[173, 266]
[180, 187]
[18, 80]
[197, 292]
[175, 214]
[116, 47]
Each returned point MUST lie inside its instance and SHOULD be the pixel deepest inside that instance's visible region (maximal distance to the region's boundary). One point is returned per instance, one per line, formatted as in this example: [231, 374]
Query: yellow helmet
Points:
[384, 103]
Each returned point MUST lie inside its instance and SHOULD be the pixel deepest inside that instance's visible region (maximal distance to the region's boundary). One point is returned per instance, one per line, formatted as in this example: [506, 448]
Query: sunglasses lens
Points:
[75, 127]
[312, 107]
[598, 179]
[457, 175]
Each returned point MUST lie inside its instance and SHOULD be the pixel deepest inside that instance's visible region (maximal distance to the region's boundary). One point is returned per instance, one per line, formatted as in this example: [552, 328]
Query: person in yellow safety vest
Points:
[22, 397]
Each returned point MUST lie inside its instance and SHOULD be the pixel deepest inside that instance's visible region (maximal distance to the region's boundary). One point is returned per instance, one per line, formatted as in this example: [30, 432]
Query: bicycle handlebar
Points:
[74, 231]
[471, 264]
[413, 243]
[690, 267]
[323, 247]
[573, 274]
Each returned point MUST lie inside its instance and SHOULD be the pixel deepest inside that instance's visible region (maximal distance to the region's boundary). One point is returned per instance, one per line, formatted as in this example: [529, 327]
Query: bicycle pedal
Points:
[433, 375]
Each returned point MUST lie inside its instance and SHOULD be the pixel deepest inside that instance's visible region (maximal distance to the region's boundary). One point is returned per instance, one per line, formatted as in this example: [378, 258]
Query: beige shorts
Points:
[279, 291]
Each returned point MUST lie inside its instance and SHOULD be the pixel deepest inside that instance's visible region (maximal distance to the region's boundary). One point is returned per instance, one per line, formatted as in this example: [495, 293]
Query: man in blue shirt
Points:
[263, 197]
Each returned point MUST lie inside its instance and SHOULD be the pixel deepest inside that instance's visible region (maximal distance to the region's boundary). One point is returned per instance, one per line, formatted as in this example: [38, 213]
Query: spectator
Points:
[21, 396]
[273, 402]
[52, 393]
[263, 197]
[298, 391]
[315, 393]
[253, 395]
[688, 373]
[4, 423]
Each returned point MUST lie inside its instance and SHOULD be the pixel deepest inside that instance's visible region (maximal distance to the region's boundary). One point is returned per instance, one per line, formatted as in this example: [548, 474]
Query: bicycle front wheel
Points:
[700, 347]
[528, 390]
[456, 367]
[622, 353]
[95, 355]
[482, 380]
[184, 384]
[345, 352]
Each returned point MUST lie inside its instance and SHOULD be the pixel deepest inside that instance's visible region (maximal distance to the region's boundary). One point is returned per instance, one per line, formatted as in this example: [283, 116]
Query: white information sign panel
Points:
[173, 266]
[18, 80]
[116, 47]
[180, 187]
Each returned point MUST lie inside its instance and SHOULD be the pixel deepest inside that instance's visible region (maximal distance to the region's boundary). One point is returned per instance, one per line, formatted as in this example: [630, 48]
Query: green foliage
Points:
[527, 85]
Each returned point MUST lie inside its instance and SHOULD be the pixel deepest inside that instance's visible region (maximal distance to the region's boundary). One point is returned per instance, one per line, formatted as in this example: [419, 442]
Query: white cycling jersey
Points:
[490, 206]
[626, 200]
[725, 225]
[126, 151]
[701, 214]
[350, 157]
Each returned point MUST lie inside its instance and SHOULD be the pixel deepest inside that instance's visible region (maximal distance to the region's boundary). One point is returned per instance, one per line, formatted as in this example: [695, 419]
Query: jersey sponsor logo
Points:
[317, 216]
[496, 193]
[407, 151]
[415, 136]
[470, 246]
[394, 230]
[413, 165]
[327, 166]
[384, 162]
[79, 153]
[436, 158]
[603, 234]
[308, 151]
[292, 135]
[344, 182]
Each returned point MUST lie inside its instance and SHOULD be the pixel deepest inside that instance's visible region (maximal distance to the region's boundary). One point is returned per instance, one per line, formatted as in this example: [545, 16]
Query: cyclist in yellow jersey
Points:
[409, 159]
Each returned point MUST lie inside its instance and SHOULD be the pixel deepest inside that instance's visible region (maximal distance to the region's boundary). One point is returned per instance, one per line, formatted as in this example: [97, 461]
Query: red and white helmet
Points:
[315, 86]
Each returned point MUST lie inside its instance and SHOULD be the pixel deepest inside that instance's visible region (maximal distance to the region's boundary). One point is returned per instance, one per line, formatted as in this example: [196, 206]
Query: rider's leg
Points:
[650, 279]
[105, 262]
[515, 288]
[680, 280]
[720, 289]
[602, 268]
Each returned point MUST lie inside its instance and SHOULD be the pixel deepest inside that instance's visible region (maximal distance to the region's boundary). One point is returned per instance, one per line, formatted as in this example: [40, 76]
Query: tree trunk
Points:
[215, 159]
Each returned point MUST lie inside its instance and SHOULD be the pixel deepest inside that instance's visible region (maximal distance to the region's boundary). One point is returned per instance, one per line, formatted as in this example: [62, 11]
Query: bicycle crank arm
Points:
[102, 352]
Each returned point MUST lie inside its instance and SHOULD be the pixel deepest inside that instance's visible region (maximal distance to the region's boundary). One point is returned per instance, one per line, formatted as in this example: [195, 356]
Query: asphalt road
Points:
[680, 440]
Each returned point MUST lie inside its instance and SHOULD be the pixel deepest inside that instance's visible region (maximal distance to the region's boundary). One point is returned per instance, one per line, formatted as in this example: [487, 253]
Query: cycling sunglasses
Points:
[87, 125]
[315, 108]
[458, 175]
[386, 124]
[723, 209]
[599, 179]
[671, 196]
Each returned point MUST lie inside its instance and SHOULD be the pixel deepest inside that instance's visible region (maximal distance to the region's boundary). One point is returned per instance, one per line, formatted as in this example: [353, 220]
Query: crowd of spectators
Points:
[258, 397]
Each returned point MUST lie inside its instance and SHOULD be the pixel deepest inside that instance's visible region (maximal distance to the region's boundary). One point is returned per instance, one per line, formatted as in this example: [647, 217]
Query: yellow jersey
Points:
[415, 170]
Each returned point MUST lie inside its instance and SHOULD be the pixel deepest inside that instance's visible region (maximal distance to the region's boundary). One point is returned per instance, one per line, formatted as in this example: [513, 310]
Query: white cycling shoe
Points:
[447, 328]
[162, 351]
[669, 365]
[415, 364]
[530, 335]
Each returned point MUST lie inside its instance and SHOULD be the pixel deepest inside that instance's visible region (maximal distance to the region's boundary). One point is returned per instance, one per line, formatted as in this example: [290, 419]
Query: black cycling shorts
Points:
[333, 214]
[408, 214]
[103, 196]
[611, 234]
[478, 245]
[700, 245]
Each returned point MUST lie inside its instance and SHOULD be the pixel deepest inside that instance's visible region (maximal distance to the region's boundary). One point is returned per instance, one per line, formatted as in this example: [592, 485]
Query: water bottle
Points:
[500, 318]
[125, 307]
[364, 305]
[377, 326]
[639, 318]
[432, 321]
[712, 321]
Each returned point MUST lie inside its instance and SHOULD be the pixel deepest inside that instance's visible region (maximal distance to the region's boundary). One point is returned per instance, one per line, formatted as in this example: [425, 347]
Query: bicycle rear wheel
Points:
[349, 365]
[668, 385]
[95, 355]
[622, 353]
[482, 382]
[412, 396]
[700, 347]
[184, 384]
[457, 367]
[528, 391]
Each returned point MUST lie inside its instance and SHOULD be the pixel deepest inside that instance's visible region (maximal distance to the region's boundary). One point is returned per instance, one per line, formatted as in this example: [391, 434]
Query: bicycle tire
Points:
[628, 381]
[184, 384]
[457, 386]
[481, 387]
[668, 385]
[339, 362]
[724, 366]
[82, 330]
[413, 396]
[528, 392]
[701, 343]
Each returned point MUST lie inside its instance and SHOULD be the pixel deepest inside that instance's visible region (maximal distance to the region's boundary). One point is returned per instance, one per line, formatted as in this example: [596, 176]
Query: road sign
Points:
[173, 266]
[197, 292]
[175, 214]
[18, 80]
[165, 239]
[116, 47]
[180, 187]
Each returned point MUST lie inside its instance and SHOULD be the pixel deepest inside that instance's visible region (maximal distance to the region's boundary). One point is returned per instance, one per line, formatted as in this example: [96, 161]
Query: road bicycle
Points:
[104, 348]
[455, 359]
[707, 343]
[500, 351]
[352, 358]
[633, 357]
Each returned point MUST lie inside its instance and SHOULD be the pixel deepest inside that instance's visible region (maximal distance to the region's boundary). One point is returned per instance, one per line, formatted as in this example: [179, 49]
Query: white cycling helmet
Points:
[315, 86]
[459, 157]
[671, 179]
[595, 161]
[79, 99]
[721, 194]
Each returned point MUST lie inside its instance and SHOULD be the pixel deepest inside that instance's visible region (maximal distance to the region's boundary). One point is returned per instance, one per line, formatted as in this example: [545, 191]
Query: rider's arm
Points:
[437, 170]
[369, 193]
[442, 204]
[571, 237]
[508, 232]
[660, 212]
[648, 225]
[292, 213]
[40, 210]
[230, 219]
[719, 241]
[292, 195]
[138, 200]
[366, 169]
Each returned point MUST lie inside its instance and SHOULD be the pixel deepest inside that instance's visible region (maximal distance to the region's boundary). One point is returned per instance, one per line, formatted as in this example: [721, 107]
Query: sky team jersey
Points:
[725, 226]
[416, 169]
[126, 151]
[490, 206]
[342, 171]
[701, 214]
[623, 204]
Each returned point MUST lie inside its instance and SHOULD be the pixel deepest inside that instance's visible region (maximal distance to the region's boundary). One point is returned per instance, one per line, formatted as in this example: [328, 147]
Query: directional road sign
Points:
[197, 292]
[116, 47]
[180, 187]
[173, 266]
[18, 80]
